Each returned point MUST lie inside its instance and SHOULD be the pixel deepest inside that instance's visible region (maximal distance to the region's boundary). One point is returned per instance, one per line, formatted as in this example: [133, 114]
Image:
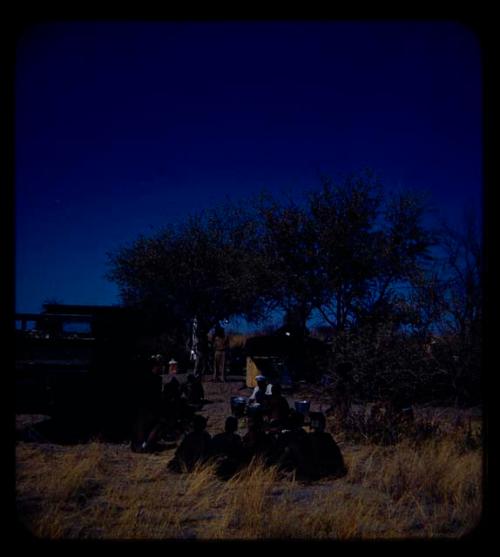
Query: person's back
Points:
[293, 447]
[276, 407]
[172, 390]
[172, 405]
[326, 455]
[327, 459]
[194, 448]
[194, 391]
[227, 449]
[227, 443]
[256, 442]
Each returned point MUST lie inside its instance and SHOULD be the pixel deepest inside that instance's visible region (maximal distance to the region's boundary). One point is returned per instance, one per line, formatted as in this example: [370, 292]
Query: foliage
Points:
[403, 300]
[202, 269]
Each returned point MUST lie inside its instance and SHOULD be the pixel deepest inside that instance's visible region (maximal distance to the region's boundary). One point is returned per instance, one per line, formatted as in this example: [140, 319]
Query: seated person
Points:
[260, 391]
[293, 447]
[194, 448]
[256, 442]
[276, 408]
[177, 413]
[145, 430]
[172, 390]
[326, 456]
[148, 409]
[228, 443]
[227, 447]
[193, 391]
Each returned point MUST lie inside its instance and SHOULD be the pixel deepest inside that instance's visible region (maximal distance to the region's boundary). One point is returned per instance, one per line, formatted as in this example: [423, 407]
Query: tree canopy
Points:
[342, 252]
[352, 252]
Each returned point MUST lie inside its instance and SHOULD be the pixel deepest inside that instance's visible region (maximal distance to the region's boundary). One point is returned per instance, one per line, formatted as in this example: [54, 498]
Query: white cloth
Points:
[256, 389]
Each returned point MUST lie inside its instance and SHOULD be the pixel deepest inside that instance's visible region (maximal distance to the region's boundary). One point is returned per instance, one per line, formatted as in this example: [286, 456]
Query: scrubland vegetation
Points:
[421, 486]
[400, 304]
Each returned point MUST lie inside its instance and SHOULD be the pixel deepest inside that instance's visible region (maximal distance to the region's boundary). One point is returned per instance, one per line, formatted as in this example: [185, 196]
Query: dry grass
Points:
[426, 489]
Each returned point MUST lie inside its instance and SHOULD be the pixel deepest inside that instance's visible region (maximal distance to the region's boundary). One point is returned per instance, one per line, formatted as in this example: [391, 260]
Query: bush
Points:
[389, 365]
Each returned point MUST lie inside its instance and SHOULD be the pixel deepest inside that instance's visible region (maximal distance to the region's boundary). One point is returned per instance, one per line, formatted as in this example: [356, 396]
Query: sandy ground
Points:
[35, 460]
[218, 406]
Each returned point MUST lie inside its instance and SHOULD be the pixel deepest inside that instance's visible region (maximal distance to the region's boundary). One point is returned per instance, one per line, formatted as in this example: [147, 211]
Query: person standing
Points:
[220, 344]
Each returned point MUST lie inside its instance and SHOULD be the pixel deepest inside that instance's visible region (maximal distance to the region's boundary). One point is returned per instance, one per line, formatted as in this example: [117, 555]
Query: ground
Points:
[429, 488]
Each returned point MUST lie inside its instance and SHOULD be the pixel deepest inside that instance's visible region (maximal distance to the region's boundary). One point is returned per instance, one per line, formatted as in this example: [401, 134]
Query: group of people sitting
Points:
[275, 435]
[275, 432]
[164, 411]
[312, 455]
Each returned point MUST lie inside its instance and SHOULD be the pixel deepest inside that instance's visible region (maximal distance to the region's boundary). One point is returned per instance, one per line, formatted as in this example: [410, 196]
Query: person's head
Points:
[199, 422]
[276, 389]
[318, 421]
[261, 381]
[219, 331]
[231, 424]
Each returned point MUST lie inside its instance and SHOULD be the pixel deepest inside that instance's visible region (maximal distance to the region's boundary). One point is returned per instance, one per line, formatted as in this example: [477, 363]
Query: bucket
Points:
[254, 409]
[302, 406]
[238, 405]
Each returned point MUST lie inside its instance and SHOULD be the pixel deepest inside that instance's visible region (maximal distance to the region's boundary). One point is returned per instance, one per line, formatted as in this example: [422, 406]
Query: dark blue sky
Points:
[123, 127]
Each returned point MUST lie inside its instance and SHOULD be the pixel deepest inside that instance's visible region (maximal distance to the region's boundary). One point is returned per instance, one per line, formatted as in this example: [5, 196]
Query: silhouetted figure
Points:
[326, 457]
[195, 447]
[227, 447]
[293, 447]
[343, 391]
[172, 390]
[149, 408]
[260, 391]
[202, 356]
[144, 428]
[193, 391]
[177, 413]
[276, 408]
[220, 344]
[256, 442]
[228, 443]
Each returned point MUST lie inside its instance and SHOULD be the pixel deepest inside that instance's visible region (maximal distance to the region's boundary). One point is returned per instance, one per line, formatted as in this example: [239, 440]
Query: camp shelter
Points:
[285, 356]
[267, 355]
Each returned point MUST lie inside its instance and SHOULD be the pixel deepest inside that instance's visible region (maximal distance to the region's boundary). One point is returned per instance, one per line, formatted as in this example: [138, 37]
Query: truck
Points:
[78, 365]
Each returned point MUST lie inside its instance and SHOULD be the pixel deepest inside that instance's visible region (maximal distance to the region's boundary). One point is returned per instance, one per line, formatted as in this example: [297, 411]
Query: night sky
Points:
[123, 127]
